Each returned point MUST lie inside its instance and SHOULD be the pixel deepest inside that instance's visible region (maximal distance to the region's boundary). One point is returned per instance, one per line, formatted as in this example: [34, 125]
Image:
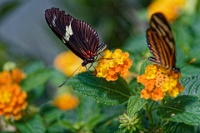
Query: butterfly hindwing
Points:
[86, 38]
[161, 42]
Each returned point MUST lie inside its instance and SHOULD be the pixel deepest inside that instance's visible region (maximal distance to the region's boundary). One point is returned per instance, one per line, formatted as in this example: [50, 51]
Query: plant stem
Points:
[151, 105]
[163, 102]
[149, 115]
[197, 7]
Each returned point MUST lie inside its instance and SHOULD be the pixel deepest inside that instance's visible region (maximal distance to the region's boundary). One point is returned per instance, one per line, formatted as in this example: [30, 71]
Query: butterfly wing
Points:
[86, 38]
[161, 42]
[77, 35]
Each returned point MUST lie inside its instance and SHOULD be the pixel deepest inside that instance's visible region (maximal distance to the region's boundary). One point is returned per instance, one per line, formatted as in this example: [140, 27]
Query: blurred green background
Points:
[26, 37]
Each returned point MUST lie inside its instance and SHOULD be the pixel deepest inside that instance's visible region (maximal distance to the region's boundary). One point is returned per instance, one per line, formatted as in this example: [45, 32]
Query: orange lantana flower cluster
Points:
[158, 81]
[66, 101]
[170, 8]
[112, 64]
[12, 98]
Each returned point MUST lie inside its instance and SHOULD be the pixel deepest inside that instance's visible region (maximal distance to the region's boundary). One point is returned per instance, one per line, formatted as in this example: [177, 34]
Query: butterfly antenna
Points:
[77, 69]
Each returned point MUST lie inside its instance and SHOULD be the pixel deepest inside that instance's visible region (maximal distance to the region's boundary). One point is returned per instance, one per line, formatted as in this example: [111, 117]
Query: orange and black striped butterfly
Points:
[161, 42]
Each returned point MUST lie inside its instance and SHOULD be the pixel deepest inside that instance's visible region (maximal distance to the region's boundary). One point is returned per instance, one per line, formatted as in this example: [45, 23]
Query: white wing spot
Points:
[63, 40]
[69, 32]
[53, 21]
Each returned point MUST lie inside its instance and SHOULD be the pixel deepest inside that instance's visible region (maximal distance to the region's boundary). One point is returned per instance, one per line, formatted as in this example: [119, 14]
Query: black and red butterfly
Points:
[161, 42]
[77, 35]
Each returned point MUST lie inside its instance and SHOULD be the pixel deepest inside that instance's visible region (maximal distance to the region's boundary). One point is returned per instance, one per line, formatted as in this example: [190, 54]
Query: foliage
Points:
[111, 106]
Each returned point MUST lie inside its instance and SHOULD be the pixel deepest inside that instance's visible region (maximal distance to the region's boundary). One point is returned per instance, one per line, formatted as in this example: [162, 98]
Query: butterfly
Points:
[161, 42]
[76, 34]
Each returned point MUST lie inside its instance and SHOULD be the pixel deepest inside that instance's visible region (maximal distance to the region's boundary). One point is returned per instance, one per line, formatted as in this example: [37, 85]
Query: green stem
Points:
[163, 102]
[44, 105]
[151, 105]
[197, 7]
[154, 108]
[149, 115]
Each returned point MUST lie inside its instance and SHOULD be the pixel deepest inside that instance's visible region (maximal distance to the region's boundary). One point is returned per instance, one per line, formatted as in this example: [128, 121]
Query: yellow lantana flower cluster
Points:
[158, 81]
[66, 101]
[170, 8]
[12, 98]
[112, 64]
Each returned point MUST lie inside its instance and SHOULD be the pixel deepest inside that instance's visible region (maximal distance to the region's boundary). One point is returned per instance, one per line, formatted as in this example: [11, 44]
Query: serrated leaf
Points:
[189, 71]
[111, 93]
[173, 127]
[36, 79]
[135, 103]
[184, 109]
[191, 86]
[32, 125]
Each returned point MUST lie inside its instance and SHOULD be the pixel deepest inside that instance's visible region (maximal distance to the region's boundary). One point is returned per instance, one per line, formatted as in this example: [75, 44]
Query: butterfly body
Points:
[76, 34]
[161, 43]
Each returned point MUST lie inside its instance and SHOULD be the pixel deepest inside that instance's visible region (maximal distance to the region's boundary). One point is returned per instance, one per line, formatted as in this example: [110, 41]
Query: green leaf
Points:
[111, 93]
[51, 114]
[68, 125]
[8, 7]
[139, 40]
[35, 93]
[93, 121]
[173, 127]
[36, 79]
[87, 108]
[184, 109]
[33, 125]
[188, 71]
[33, 66]
[191, 86]
[56, 128]
[144, 65]
[135, 103]
[58, 78]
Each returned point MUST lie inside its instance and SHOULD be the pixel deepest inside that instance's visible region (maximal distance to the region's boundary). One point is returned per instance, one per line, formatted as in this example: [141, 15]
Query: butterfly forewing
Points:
[161, 42]
[57, 21]
[77, 35]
